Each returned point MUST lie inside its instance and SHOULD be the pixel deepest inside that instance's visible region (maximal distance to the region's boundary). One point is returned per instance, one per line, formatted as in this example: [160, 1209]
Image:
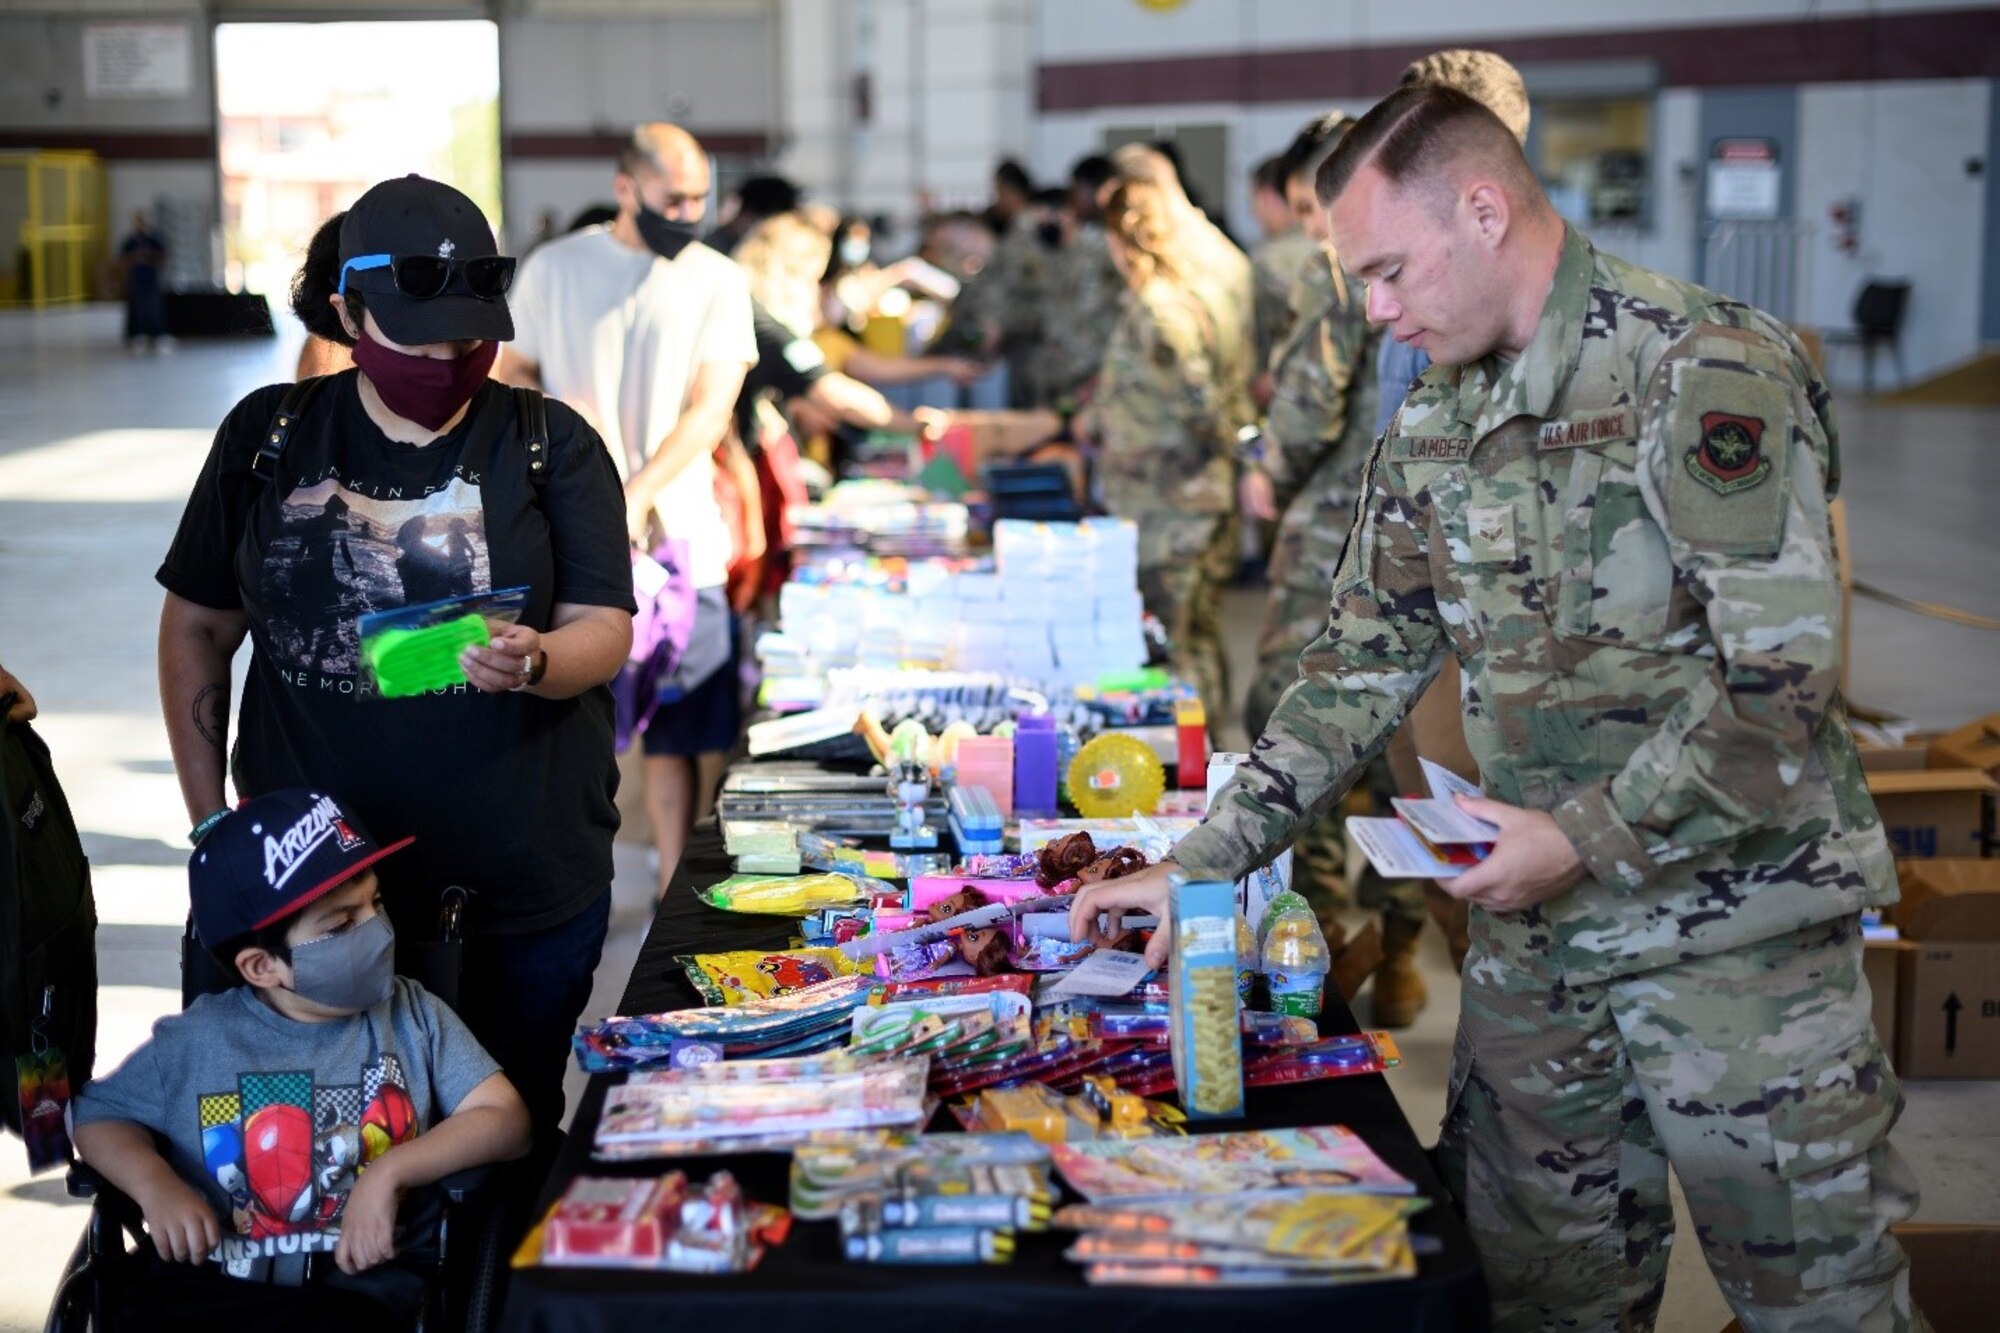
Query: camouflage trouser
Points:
[1185, 561]
[1755, 1072]
[1293, 617]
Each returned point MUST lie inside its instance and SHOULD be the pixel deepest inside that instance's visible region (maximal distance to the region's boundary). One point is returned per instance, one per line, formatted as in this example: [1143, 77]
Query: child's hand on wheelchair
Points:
[181, 1222]
[368, 1224]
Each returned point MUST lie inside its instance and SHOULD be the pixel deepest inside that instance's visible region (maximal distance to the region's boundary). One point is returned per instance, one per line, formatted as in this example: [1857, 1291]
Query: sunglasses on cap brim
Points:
[421, 277]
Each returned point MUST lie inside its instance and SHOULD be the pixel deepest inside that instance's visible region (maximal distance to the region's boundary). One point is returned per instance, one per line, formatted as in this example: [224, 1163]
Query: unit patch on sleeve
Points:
[1730, 454]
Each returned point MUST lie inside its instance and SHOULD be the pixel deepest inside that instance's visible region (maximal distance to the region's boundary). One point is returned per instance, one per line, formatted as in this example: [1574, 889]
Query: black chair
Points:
[1878, 320]
[461, 1296]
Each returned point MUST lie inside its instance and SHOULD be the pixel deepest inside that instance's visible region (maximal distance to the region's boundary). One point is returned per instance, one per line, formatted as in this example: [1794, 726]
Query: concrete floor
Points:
[98, 448]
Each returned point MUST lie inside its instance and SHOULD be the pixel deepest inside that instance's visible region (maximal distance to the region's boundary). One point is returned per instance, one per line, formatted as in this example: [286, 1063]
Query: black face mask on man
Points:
[664, 236]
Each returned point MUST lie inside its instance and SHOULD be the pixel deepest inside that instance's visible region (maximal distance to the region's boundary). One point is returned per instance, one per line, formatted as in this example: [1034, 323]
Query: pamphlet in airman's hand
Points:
[1428, 838]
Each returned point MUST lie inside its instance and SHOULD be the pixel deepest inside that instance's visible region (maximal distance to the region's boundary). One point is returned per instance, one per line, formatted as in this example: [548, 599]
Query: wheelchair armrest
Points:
[113, 1212]
[82, 1180]
[459, 1186]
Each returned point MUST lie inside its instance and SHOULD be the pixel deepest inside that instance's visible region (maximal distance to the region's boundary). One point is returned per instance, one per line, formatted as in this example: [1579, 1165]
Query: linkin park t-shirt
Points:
[509, 795]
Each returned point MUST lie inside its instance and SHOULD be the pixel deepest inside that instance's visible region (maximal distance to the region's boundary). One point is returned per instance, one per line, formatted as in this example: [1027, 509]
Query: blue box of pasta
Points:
[1206, 1037]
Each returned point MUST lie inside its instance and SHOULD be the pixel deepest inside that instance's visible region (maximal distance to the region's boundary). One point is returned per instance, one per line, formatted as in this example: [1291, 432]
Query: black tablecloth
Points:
[805, 1285]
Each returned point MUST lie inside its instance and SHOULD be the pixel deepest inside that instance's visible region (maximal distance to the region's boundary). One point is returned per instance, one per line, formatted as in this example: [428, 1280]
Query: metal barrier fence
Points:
[52, 204]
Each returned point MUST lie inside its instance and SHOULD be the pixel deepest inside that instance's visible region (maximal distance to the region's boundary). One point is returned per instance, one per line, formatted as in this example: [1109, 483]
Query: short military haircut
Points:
[1419, 135]
[1270, 174]
[1481, 75]
[1315, 139]
[1013, 175]
[1091, 172]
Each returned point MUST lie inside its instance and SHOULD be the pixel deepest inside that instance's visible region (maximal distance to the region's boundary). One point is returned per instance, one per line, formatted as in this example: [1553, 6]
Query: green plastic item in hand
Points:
[415, 661]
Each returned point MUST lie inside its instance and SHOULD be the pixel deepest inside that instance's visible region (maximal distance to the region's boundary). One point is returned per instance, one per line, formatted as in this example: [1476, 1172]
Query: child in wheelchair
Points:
[270, 1134]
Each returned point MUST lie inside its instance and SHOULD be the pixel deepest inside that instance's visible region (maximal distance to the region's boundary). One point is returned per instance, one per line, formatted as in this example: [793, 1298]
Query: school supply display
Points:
[761, 1026]
[1327, 1158]
[1307, 1238]
[662, 1224]
[758, 1103]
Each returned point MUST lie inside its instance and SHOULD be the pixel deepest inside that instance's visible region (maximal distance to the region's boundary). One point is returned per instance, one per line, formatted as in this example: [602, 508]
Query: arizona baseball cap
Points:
[271, 856]
[412, 217]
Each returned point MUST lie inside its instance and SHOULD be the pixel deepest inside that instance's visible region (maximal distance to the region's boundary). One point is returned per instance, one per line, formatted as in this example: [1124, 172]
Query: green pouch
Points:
[415, 661]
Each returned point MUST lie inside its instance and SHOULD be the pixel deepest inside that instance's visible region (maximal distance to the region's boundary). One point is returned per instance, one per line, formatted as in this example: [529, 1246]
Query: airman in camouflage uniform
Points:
[1315, 442]
[1622, 535]
[1274, 267]
[1012, 294]
[1082, 304]
[1172, 394]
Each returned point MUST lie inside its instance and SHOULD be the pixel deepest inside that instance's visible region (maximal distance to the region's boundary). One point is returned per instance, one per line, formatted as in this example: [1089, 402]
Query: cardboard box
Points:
[1935, 812]
[1974, 745]
[1909, 757]
[1954, 1274]
[999, 436]
[1881, 965]
[1949, 995]
[1950, 900]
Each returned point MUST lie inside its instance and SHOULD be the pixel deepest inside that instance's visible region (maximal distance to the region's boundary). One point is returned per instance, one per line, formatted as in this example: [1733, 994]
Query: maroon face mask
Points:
[428, 390]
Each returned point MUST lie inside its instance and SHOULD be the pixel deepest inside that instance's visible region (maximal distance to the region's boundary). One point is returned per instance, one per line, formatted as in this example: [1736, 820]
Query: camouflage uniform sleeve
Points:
[1382, 645]
[1732, 465]
[1314, 370]
[1271, 303]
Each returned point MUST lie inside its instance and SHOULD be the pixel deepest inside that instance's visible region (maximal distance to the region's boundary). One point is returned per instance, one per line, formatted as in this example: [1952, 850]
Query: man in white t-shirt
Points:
[647, 333]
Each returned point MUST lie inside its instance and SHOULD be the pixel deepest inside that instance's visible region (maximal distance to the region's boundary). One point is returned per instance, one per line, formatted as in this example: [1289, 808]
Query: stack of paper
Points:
[1427, 839]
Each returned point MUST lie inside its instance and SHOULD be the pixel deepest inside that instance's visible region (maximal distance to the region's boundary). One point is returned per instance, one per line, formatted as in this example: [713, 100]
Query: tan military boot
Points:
[1400, 994]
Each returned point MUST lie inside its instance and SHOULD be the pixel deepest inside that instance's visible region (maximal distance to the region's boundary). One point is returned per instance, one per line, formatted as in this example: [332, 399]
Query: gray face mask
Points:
[353, 970]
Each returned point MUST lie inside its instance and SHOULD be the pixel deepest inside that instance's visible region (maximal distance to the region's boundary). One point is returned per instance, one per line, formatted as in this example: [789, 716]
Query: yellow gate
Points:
[52, 205]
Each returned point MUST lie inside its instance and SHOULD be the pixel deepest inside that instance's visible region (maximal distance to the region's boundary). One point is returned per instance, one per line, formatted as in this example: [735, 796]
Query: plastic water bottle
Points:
[1295, 957]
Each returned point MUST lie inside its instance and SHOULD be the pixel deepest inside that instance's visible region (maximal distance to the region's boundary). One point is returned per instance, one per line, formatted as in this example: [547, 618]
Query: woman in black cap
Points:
[410, 477]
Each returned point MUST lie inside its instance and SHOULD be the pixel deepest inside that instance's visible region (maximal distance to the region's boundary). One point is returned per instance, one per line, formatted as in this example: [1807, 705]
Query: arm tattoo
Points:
[211, 714]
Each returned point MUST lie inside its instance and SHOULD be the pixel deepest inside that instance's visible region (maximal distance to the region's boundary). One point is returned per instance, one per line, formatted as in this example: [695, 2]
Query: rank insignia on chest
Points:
[1730, 454]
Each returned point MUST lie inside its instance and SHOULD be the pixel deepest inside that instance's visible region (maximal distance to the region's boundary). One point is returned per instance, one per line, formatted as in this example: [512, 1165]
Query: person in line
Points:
[1307, 466]
[1281, 252]
[21, 704]
[1173, 394]
[1607, 497]
[291, 553]
[143, 252]
[756, 199]
[1086, 293]
[647, 333]
[293, 1114]
[1434, 730]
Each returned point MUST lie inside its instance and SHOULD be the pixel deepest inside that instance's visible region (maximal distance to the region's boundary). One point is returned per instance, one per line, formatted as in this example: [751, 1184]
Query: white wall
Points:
[951, 88]
[701, 70]
[1901, 148]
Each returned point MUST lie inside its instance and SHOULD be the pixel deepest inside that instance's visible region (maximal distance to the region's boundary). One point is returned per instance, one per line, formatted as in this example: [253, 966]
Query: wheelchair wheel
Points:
[488, 1271]
[70, 1311]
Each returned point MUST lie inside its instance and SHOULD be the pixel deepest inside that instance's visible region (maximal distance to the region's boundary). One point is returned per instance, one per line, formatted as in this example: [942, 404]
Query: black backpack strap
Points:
[532, 410]
[290, 408]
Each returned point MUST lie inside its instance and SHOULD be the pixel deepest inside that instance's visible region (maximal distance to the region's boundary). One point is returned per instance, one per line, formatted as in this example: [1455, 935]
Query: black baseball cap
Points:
[270, 857]
[415, 216]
